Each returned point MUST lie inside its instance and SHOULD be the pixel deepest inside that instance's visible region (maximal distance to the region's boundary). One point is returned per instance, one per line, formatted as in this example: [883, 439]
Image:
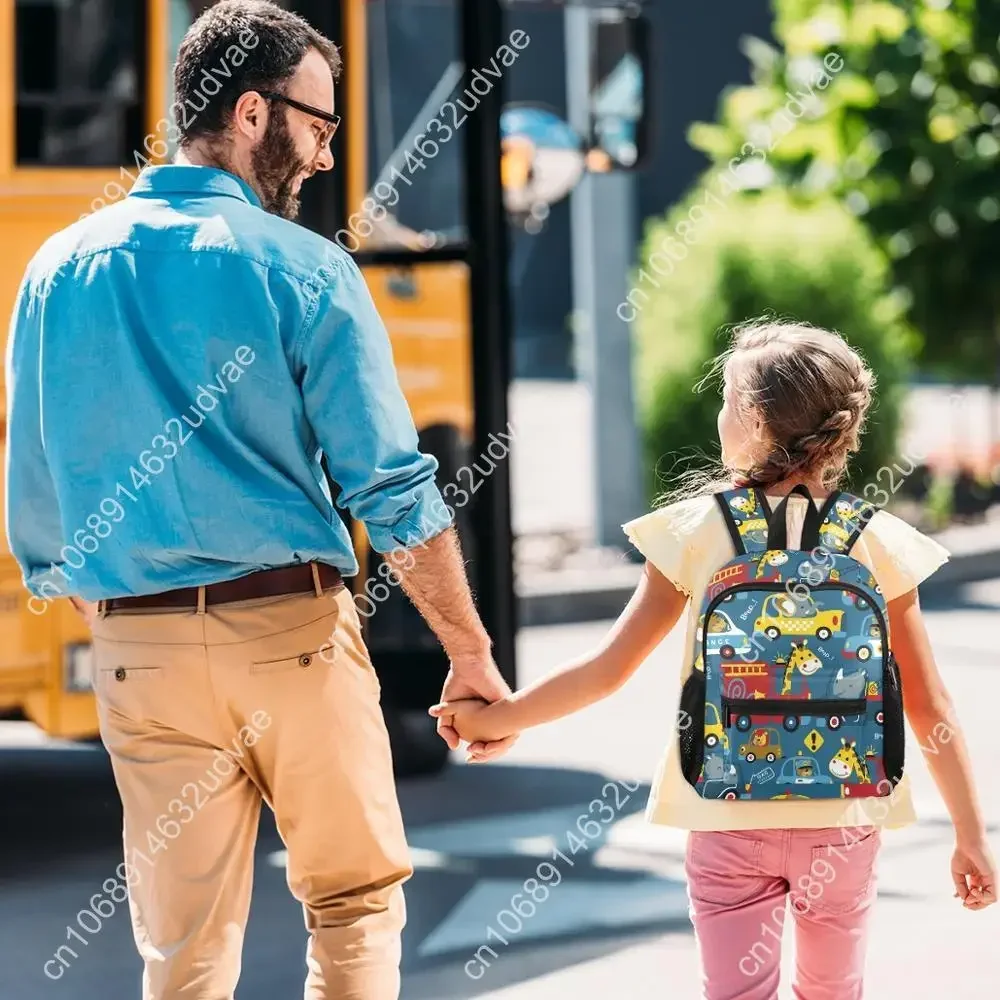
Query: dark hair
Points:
[236, 46]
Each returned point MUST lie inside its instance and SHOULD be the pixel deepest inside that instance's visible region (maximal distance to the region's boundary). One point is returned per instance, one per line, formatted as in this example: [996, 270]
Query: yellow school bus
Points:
[74, 133]
[85, 100]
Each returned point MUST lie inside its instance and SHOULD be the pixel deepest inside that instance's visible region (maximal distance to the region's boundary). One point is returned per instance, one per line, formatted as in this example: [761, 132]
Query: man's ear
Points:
[250, 115]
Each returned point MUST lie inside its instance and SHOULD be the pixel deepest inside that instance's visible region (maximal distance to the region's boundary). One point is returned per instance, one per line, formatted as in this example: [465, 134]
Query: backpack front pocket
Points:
[801, 748]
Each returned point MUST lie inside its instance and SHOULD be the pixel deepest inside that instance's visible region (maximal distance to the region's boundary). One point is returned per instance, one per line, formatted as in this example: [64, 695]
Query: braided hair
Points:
[811, 391]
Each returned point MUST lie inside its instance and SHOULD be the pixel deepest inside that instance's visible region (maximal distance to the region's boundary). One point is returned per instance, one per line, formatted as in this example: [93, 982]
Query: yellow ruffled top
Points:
[687, 542]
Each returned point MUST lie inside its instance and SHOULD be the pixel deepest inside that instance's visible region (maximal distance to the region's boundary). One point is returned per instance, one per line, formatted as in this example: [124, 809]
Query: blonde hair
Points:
[811, 391]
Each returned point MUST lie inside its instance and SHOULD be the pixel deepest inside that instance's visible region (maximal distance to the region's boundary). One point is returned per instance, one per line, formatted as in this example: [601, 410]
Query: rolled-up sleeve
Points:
[362, 422]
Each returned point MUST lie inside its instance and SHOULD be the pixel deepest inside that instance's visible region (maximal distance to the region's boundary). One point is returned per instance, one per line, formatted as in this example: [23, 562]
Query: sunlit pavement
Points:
[616, 924]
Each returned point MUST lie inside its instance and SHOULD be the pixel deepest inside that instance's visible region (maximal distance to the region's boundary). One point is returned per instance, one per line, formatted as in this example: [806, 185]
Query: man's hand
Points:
[476, 677]
[433, 576]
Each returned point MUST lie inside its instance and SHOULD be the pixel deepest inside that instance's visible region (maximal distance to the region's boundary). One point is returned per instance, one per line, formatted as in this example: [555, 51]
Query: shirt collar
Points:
[175, 178]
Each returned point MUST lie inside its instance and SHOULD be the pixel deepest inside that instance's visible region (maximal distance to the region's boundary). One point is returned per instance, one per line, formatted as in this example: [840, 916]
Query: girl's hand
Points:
[973, 871]
[473, 718]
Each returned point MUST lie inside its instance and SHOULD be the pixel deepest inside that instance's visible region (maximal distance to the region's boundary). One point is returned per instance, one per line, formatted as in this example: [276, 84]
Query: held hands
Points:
[474, 676]
[474, 719]
[973, 871]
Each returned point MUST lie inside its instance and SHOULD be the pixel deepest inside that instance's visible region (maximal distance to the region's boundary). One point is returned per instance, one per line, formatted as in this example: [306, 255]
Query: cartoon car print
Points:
[791, 722]
[814, 572]
[866, 644]
[875, 700]
[853, 600]
[754, 530]
[835, 532]
[724, 637]
[782, 614]
[728, 577]
[802, 771]
[714, 733]
[764, 743]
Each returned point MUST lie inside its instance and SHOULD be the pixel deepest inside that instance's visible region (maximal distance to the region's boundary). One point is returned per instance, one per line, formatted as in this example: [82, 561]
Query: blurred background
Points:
[561, 209]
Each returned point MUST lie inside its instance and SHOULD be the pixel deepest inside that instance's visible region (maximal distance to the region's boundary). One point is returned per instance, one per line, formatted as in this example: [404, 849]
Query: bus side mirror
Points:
[619, 61]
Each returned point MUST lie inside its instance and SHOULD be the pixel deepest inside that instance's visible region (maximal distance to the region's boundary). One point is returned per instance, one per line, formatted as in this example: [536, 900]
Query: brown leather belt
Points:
[297, 579]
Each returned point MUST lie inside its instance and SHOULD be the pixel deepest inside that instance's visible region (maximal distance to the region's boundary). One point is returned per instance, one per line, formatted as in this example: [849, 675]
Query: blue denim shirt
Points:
[178, 364]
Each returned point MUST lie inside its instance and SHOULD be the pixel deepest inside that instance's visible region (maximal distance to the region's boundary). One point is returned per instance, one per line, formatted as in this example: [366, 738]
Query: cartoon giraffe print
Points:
[802, 659]
[771, 558]
[847, 761]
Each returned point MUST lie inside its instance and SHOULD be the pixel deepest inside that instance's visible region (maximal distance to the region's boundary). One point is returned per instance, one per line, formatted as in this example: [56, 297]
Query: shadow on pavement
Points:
[959, 597]
[476, 834]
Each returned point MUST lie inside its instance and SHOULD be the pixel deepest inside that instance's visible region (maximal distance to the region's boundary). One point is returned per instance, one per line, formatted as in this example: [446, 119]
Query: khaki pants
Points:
[205, 715]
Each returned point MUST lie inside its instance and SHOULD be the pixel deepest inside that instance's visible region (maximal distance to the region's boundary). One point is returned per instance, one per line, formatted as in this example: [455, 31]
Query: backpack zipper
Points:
[788, 706]
[779, 587]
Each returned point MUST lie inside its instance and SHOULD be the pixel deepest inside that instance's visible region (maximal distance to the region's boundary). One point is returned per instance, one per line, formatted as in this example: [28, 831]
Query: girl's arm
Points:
[931, 714]
[650, 614]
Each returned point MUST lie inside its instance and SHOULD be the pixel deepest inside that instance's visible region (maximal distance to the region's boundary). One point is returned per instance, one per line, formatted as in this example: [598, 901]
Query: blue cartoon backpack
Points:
[794, 693]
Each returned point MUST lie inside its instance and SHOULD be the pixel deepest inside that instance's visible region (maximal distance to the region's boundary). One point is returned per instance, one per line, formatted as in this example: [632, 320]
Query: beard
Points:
[275, 165]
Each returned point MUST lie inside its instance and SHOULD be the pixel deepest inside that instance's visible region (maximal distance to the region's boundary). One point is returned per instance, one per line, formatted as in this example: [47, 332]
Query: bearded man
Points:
[181, 366]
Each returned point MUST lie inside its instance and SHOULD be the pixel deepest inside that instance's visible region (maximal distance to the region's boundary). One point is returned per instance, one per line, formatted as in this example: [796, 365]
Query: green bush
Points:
[755, 255]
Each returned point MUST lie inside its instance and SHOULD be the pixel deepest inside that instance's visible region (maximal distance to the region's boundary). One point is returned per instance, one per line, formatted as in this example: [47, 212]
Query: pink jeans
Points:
[739, 883]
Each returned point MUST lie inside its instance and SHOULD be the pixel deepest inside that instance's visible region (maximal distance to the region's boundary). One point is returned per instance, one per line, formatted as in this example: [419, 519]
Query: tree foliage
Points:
[757, 255]
[906, 133]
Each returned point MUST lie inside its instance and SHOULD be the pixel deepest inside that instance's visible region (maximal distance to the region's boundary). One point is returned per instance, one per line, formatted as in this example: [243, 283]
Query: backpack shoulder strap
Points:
[747, 518]
[842, 519]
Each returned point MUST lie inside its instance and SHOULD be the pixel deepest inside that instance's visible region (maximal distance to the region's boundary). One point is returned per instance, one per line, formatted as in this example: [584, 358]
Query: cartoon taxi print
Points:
[835, 534]
[724, 637]
[867, 643]
[782, 614]
[764, 743]
[754, 530]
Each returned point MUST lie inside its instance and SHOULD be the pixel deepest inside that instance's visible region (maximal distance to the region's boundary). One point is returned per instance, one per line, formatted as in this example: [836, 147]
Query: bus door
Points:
[78, 110]
[415, 197]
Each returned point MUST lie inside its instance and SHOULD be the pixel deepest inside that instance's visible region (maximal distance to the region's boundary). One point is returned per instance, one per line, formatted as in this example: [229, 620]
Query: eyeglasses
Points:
[333, 121]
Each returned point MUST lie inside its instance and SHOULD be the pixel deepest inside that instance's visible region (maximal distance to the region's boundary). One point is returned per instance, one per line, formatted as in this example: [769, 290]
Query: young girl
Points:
[795, 400]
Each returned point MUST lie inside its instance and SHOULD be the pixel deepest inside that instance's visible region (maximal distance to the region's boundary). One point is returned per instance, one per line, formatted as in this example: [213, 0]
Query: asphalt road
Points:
[615, 925]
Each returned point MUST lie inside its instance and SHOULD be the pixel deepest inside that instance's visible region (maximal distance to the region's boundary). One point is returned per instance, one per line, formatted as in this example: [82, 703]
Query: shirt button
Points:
[305, 659]
[120, 674]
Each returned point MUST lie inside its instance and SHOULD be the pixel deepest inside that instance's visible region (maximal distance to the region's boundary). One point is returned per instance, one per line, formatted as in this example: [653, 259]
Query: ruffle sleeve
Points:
[903, 557]
[672, 538]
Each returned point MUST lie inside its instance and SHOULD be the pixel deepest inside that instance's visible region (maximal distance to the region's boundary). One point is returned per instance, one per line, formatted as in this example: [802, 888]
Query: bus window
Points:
[80, 82]
[415, 82]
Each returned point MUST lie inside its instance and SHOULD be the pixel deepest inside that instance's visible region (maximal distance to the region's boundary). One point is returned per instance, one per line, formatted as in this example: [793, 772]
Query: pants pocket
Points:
[298, 661]
[723, 867]
[841, 874]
